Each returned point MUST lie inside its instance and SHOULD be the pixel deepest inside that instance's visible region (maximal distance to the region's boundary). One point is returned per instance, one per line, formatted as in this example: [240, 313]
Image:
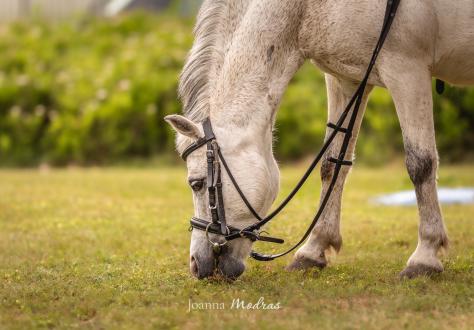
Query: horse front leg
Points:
[412, 95]
[326, 233]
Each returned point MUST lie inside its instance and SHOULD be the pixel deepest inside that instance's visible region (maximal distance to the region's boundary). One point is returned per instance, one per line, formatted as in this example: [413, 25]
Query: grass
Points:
[108, 248]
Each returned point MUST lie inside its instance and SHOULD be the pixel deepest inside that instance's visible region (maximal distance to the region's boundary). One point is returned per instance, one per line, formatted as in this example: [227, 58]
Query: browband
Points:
[195, 145]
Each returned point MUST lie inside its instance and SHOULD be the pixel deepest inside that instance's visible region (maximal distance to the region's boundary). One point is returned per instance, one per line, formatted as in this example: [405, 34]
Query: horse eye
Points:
[196, 185]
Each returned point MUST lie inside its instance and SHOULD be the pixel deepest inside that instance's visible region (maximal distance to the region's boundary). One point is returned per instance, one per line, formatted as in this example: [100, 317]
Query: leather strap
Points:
[208, 136]
[214, 179]
[211, 183]
[340, 161]
[234, 233]
[220, 198]
[194, 146]
[337, 128]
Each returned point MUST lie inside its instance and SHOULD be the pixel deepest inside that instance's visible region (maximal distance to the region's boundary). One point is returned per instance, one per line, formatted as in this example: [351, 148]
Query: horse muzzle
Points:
[229, 267]
[210, 262]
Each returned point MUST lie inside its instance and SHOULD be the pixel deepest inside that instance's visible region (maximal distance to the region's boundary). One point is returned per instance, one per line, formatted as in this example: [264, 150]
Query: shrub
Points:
[95, 91]
[89, 91]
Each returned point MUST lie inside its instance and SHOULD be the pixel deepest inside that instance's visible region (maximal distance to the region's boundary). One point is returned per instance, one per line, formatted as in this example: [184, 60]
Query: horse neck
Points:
[254, 71]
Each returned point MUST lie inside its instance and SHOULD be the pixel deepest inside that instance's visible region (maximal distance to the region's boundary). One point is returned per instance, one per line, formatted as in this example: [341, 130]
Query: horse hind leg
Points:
[412, 96]
[326, 233]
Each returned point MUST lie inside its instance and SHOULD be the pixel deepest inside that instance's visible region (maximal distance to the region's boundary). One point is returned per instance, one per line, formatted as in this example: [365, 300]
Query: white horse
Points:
[244, 55]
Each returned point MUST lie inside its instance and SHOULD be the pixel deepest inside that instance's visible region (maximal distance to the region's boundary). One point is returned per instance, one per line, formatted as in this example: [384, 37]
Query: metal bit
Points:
[216, 247]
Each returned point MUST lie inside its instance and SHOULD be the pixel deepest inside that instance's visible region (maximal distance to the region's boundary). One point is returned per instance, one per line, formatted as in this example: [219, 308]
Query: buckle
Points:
[210, 156]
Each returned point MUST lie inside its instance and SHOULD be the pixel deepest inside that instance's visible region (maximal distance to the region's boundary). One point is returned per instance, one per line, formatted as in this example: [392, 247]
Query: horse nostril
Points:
[194, 267]
[201, 266]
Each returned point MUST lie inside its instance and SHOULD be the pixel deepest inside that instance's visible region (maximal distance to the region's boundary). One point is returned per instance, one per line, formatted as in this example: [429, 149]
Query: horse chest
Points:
[340, 66]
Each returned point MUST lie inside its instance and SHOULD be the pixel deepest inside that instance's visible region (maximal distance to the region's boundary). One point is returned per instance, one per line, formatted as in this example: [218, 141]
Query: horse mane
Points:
[194, 80]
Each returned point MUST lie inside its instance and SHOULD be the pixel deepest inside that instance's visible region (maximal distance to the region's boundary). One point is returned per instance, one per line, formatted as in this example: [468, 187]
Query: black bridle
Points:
[218, 224]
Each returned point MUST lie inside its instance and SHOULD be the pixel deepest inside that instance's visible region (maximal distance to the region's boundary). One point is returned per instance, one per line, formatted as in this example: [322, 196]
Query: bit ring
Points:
[214, 243]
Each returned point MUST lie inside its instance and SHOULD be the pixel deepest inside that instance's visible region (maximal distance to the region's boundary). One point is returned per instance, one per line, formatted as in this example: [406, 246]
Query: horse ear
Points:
[183, 126]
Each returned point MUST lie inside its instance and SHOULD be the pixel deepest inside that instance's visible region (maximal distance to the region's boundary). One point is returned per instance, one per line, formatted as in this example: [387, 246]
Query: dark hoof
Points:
[419, 270]
[305, 263]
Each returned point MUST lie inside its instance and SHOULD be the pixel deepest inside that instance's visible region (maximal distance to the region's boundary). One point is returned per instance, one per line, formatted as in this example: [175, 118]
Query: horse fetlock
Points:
[325, 235]
[304, 260]
[434, 235]
[424, 261]
[313, 252]
[336, 243]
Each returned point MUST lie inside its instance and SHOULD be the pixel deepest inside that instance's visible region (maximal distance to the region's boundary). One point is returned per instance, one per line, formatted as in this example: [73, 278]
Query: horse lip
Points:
[231, 267]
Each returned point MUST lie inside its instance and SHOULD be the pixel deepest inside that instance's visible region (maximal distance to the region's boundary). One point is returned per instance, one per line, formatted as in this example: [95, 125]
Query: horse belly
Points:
[454, 54]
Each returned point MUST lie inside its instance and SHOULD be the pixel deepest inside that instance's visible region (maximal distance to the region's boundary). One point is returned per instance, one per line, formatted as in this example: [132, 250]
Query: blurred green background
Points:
[93, 91]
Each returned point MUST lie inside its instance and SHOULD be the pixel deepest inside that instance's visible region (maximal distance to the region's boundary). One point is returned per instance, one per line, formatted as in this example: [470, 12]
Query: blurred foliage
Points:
[95, 91]
[92, 91]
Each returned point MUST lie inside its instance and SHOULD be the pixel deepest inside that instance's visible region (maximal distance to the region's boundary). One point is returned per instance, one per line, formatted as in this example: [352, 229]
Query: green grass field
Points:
[108, 248]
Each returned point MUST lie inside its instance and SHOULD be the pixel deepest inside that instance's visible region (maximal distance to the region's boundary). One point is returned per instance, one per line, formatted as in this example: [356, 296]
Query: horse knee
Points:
[421, 164]
[327, 170]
